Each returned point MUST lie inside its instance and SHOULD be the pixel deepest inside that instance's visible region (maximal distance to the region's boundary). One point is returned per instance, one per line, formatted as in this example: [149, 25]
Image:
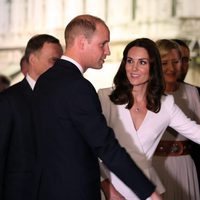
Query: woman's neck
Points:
[171, 87]
[139, 95]
[139, 106]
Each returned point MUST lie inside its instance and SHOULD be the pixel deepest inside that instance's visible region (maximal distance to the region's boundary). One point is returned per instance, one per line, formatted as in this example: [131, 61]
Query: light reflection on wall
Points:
[103, 77]
[127, 21]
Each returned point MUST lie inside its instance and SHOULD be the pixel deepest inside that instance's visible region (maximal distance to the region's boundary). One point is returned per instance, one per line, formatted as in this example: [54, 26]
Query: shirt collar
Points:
[30, 81]
[73, 61]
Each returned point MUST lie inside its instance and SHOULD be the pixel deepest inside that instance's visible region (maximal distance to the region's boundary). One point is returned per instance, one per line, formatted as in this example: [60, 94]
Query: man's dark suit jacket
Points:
[71, 135]
[16, 143]
[198, 88]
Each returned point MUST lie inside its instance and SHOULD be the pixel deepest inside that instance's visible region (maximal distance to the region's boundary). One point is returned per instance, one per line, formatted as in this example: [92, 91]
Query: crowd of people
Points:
[137, 139]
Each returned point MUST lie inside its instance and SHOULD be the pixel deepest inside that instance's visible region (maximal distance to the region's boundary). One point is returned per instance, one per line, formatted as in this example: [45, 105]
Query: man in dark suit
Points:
[70, 128]
[17, 144]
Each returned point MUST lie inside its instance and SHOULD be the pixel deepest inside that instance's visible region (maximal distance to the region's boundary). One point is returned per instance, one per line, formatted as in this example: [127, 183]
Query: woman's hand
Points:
[156, 196]
[110, 192]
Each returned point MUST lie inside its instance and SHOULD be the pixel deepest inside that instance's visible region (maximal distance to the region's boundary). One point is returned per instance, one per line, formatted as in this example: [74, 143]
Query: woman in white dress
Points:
[177, 170]
[139, 112]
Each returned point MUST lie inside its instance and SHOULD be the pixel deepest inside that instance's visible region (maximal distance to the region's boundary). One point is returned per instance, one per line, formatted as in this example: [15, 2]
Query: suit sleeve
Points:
[88, 118]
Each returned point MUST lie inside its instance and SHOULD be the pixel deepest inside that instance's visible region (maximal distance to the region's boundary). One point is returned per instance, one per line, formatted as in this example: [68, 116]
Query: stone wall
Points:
[129, 19]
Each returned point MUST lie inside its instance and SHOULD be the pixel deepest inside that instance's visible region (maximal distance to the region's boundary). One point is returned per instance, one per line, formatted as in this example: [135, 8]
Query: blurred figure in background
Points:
[23, 65]
[4, 82]
[172, 158]
[185, 52]
[185, 59]
[17, 143]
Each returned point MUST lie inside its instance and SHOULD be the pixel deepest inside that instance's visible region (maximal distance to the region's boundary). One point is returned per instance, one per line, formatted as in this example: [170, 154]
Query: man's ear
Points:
[32, 58]
[82, 42]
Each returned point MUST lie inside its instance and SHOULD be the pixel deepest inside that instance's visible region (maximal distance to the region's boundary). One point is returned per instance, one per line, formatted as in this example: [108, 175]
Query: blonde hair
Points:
[165, 45]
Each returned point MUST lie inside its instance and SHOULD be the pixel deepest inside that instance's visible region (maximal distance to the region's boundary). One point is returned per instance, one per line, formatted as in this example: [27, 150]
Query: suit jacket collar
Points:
[74, 62]
[30, 81]
[26, 86]
[67, 65]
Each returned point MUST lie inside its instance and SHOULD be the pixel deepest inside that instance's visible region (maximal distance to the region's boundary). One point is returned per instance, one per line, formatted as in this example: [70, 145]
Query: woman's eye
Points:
[129, 61]
[143, 62]
[175, 61]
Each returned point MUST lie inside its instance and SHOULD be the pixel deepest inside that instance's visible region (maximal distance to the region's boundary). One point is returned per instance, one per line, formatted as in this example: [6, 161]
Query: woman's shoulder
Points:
[190, 91]
[188, 87]
[167, 98]
[167, 101]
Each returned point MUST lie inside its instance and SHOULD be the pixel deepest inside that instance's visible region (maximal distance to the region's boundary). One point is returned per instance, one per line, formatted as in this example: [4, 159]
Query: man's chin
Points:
[100, 67]
[97, 67]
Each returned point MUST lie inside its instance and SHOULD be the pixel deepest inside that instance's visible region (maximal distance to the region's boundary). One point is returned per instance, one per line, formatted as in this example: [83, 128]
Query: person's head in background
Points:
[185, 52]
[171, 63]
[41, 53]
[4, 82]
[23, 65]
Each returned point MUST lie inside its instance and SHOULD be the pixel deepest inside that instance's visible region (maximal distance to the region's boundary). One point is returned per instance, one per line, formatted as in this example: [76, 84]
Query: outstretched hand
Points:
[156, 196]
[110, 192]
